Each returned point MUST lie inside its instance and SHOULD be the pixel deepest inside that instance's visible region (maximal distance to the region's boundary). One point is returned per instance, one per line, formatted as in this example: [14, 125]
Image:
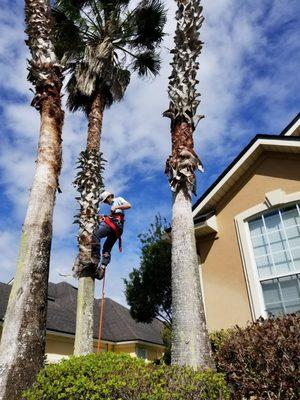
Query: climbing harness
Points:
[101, 314]
[109, 220]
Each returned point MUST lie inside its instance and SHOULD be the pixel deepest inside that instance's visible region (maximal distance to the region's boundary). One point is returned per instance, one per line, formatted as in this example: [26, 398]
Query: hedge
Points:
[262, 361]
[114, 376]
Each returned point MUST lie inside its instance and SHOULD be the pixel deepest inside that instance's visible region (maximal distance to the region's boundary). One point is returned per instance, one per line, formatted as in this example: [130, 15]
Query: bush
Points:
[113, 376]
[262, 360]
[217, 338]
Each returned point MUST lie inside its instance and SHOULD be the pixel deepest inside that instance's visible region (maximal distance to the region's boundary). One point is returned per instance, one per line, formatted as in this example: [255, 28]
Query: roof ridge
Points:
[63, 283]
[115, 302]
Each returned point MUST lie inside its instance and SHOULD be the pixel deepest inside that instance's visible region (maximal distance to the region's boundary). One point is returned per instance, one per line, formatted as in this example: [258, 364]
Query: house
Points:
[120, 332]
[247, 227]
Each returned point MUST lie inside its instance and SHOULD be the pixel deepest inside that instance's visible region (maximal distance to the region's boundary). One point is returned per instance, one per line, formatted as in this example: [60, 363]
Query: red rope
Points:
[101, 315]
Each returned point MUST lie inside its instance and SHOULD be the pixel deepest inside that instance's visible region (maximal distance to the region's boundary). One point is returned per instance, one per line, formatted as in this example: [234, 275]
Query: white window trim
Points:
[255, 294]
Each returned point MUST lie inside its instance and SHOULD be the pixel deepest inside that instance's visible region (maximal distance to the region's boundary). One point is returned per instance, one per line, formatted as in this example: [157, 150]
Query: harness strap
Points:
[117, 231]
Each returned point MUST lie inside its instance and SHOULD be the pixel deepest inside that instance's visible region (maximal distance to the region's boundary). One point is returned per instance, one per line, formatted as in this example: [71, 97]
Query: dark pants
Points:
[103, 231]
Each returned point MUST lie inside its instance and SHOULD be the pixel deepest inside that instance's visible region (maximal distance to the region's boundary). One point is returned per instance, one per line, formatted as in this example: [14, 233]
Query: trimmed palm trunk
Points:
[190, 340]
[89, 184]
[23, 339]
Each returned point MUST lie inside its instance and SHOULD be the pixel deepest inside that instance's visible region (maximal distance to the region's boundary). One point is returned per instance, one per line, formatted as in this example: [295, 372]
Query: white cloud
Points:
[136, 139]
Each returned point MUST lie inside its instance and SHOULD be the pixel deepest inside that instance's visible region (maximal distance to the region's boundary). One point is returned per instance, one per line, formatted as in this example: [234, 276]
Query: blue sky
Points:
[249, 84]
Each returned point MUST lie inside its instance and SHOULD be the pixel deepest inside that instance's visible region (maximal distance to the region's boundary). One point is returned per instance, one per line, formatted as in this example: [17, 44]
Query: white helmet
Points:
[104, 195]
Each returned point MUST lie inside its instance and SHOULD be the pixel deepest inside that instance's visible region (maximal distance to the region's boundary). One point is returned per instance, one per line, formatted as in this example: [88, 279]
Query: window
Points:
[275, 238]
[141, 353]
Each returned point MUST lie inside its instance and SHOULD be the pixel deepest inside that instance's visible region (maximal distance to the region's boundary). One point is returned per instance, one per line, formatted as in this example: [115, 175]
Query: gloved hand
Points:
[101, 218]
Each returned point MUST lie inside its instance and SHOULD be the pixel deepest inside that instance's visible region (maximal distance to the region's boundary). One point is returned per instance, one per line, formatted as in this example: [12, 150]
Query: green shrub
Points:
[262, 361]
[113, 376]
[217, 338]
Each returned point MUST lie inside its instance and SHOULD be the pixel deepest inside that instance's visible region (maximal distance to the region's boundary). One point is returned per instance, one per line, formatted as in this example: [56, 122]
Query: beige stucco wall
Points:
[126, 348]
[225, 292]
[152, 352]
[58, 347]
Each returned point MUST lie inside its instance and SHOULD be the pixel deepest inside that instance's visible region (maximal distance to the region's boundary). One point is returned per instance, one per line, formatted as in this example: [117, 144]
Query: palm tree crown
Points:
[102, 41]
[184, 98]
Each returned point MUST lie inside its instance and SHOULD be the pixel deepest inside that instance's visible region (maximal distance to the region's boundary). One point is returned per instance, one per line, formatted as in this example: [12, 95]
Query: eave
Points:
[206, 224]
[293, 128]
[241, 164]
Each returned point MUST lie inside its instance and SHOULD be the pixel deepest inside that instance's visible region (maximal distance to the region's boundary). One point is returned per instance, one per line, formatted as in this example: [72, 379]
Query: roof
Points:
[206, 203]
[118, 325]
[241, 164]
[293, 128]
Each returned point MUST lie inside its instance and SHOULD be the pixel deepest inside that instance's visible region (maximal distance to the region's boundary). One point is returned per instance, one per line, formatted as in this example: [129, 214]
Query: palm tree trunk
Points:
[190, 340]
[95, 123]
[91, 185]
[23, 339]
[190, 344]
[85, 316]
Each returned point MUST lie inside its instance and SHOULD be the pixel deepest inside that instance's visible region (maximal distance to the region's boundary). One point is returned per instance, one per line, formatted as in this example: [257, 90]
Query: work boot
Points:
[100, 272]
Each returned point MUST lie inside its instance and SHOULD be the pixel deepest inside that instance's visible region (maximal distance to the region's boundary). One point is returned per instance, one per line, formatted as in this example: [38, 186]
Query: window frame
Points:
[141, 348]
[253, 281]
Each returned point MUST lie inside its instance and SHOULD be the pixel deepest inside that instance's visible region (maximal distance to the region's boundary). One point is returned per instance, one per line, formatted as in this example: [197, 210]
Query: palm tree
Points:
[101, 43]
[23, 338]
[190, 342]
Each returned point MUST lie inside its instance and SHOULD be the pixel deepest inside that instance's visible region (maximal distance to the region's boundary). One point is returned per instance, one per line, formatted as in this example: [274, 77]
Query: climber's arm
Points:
[125, 206]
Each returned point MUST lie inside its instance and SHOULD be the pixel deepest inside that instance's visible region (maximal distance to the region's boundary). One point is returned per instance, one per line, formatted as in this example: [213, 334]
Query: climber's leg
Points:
[100, 232]
[107, 247]
[89, 255]
[106, 254]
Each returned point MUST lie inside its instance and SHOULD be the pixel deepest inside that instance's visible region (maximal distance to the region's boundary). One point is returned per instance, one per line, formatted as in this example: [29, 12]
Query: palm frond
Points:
[93, 34]
[119, 84]
[148, 20]
[71, 8]
[147, 62]
[111, 5]
[76, 100]
[68, 40]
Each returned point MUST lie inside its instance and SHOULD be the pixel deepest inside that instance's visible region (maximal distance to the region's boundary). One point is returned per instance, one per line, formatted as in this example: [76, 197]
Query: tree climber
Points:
[111, 228]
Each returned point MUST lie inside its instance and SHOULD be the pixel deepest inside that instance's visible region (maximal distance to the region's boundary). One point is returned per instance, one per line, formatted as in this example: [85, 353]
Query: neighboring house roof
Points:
[235, 170]
[118, 325]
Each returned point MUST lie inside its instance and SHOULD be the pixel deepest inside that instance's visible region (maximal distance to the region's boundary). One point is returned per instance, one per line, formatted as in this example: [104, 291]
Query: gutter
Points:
[144, 342]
